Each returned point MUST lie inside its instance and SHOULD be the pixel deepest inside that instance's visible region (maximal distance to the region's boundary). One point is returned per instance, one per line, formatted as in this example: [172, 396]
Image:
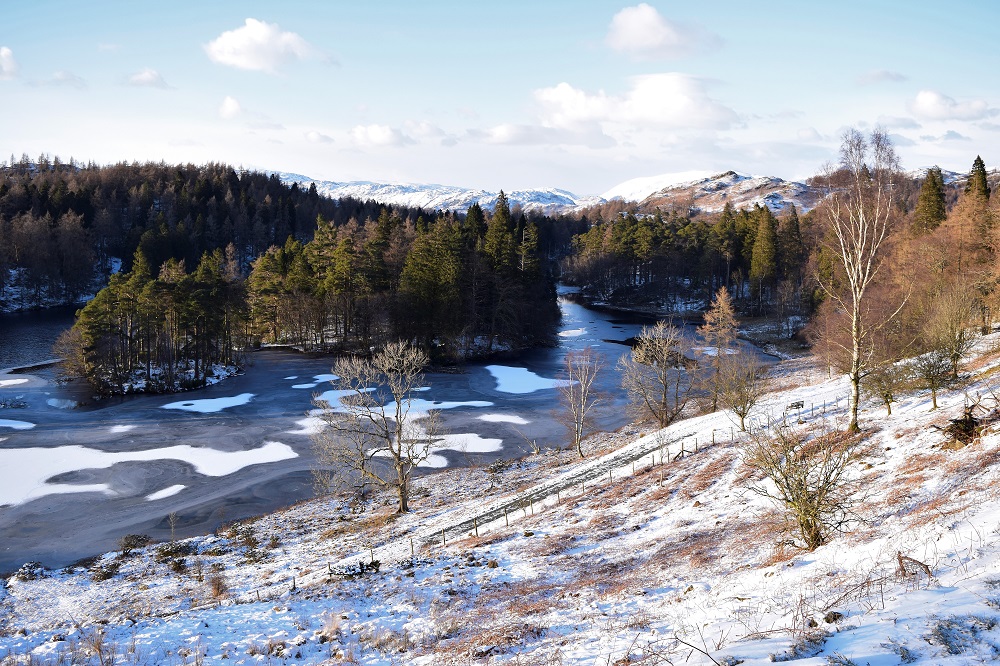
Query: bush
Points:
[218, 586]
[131, 542]
[101, 572]
[810, 475]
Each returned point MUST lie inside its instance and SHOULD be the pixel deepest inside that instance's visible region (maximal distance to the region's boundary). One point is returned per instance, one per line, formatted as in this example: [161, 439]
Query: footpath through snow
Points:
[653, 550]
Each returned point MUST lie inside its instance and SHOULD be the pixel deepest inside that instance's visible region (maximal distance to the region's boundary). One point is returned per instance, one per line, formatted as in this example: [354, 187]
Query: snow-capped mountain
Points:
[695, 190]
[443, 197]
[711, 193]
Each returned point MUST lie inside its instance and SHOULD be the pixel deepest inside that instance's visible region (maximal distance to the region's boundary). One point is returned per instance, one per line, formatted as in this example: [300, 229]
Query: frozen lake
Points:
[79, 473]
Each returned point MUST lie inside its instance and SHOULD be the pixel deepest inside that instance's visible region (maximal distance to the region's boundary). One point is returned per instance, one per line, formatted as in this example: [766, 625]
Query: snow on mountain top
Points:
[638, 189]
[440, 197]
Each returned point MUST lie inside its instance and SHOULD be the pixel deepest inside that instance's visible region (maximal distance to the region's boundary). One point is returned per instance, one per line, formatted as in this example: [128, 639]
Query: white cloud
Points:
[147, 77]
[258, 46]
[897, 122]
[105, 47]
[317, 137]
[880, 76]
[669, 100]
[8, 66]
[950, 135]
[642, 32]
[809, 134]
[378, 135]
[64, 78]
[933, 105]
[509, 134]
[230, 108]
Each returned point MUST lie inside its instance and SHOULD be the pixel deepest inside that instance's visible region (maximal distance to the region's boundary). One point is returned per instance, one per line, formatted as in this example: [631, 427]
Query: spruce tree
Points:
[790, 247]
[977, 184]
[930, 211]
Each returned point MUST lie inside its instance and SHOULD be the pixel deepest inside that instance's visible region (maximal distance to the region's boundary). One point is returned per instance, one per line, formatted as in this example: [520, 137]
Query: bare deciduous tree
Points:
[860, 218]
[654, 374]
[577, 393]
[742, 383]
[933, 369]
[373, 431]
[950, 323]
[810, 477]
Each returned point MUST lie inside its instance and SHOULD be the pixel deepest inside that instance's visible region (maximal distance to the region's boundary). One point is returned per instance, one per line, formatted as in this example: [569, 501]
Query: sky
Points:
[578, 95]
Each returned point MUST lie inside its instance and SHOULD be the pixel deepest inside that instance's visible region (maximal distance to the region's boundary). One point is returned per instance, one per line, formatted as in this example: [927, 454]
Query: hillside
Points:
[652, 550]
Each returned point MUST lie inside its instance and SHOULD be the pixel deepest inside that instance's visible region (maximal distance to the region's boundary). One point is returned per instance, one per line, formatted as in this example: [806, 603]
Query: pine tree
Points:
[978, 184]
[764, 259]
[930, 211]
[790, 247]
[718, 332]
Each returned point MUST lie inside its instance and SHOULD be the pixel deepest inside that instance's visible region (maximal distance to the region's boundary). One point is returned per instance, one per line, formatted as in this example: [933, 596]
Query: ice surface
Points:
[209, 405]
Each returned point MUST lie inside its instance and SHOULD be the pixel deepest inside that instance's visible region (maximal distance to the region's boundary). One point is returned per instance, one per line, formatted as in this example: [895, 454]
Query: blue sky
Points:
[577, 95]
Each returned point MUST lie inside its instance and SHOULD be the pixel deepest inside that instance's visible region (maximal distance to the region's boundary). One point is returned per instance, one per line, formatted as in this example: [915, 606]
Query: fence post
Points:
[293, 583]
[373, 554]
[444, 541]
[506, 520]
[475, 525]
[412, 553]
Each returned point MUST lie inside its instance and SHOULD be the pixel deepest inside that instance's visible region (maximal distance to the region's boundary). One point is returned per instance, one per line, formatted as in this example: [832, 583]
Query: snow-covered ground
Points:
[652, 550]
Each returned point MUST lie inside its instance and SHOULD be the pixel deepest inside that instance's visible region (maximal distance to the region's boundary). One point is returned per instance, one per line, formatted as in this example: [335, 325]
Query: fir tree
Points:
[930, 211]
[978, 184]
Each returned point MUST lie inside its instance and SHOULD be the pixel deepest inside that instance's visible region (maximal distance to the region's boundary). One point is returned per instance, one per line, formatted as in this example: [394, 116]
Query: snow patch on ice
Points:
[166, 492]
[13, 382]
[30, 468]
[61, 403]
[121, 428]
[504, 418]
[210, 405]
[317, 380]
[572, 333]
[520, 380]
[16, 425]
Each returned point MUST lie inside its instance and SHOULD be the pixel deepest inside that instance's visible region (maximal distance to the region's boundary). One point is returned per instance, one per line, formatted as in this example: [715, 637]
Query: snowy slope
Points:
[654, 550]
[638, 189]
[710, 194]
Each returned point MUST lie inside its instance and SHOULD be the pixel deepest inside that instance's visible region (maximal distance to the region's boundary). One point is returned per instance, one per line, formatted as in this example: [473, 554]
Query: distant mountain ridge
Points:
[444, 197]
[697, 191]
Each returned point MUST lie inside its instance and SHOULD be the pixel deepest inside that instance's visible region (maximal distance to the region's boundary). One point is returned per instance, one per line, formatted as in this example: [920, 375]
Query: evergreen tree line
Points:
[61, 224]
[455, 286]
[162, 331]
[770, 264]
[653, 258]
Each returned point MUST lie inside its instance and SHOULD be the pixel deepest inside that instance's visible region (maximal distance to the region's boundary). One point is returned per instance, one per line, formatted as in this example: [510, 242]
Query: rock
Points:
[833, 617]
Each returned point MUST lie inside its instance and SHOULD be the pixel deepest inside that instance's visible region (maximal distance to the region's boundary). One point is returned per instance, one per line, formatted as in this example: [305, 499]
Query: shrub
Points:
[131, 542]
[810, 476]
